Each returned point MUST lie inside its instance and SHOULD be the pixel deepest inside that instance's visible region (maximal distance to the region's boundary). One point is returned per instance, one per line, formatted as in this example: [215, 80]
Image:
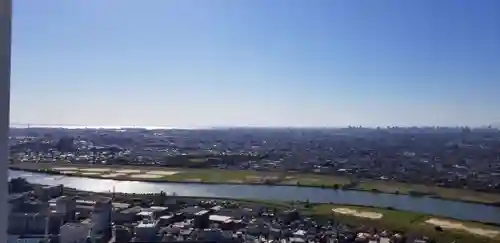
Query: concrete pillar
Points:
[5, 51]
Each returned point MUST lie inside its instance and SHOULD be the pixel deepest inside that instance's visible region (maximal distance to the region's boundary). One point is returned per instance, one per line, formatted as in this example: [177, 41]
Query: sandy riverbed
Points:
[113, 175]
[146, 176]
[446, 224]
[68, 172]
[90, 173]
[162, 173]
[361, 214]
[128, 171]
[65, 168]
[95, 169]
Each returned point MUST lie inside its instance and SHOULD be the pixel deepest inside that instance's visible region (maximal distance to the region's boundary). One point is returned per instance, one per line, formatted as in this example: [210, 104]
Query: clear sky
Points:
[190, 63]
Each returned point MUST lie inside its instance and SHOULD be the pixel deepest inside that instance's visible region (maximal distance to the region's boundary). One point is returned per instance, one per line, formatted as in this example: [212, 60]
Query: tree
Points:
[307, 204]
[160, 198]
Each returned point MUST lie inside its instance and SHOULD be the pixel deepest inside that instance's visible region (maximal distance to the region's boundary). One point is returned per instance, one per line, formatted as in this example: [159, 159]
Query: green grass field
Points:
[394, 220]
[446, 193]
[314, 180]
[278, 178]
[202, 175]
[402, 221]
[407, 222]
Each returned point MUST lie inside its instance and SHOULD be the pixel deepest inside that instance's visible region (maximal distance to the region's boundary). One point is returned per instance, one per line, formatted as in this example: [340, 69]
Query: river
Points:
[446, 208]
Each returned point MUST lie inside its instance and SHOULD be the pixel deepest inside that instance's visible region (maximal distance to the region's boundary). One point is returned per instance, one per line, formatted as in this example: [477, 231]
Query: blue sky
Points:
[189, 63]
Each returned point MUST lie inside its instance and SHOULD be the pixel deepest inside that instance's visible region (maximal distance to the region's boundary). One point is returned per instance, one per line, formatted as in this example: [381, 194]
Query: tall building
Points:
[101, 219]
[67, 207]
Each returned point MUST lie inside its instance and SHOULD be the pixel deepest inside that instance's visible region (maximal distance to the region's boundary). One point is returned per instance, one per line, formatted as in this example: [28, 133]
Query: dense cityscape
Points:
[460, 158]
[250, 121]
[446, 157]
[56, 214]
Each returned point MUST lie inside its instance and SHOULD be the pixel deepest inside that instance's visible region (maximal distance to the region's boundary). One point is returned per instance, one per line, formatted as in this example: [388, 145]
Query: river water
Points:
[446, 208]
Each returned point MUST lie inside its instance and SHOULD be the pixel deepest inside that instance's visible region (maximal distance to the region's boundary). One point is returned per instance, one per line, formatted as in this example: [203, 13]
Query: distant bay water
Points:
[63, 126]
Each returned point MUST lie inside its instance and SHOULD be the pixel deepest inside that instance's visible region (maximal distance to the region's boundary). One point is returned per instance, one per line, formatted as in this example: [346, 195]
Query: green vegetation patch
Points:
[409, 222]
[397, 220]
[446, 193]
[282, 178]
[315, 180]
[211, 176]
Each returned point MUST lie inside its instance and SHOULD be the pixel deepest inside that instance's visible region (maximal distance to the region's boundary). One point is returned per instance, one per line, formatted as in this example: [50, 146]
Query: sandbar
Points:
[146, 176]
[128, 171]
[162, 173]
[361, 214]
[65, 168]
[95, 169]
[446, 224]
[113, 175]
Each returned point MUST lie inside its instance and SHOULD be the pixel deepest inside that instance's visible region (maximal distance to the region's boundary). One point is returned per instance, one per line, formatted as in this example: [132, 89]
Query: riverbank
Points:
[219, 176]
[394, 220]
[412, 223]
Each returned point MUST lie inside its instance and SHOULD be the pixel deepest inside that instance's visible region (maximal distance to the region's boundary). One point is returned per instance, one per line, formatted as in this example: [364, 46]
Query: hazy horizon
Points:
[21, 126]
[222, 63]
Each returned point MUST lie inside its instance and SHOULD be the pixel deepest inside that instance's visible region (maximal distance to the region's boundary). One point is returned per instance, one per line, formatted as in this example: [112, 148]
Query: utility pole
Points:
[5, 52]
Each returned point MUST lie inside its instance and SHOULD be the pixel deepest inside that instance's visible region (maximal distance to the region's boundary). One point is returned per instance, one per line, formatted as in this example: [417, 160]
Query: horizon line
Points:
[117, 127]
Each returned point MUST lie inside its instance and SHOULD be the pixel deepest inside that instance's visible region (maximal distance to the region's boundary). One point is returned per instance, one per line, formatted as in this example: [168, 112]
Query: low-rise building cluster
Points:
[51, 214]
[447, 157]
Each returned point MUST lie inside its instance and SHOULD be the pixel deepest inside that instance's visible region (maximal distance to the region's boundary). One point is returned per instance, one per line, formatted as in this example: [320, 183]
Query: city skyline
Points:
[159, 127]
[278, 63]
